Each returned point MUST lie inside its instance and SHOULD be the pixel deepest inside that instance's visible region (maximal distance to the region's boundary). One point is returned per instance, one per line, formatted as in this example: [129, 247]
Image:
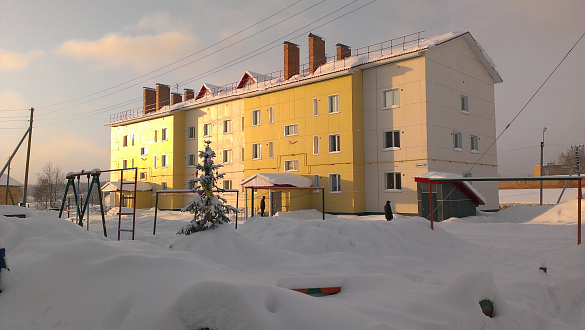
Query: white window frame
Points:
[143, 176]
[191, 160]
[163, 185]
[227, 156]
[394, 95]
[293, 127]
[227, 184]
[256, 117]
[191, 132]
[154, 161]
[155, 135]
[334, 143]
[457, 141]
[143, 151]
[291, 165]
[315, 107]
[256, 151]
[226, 126]
[464, 104]
[132, 139]
[164, 160]
[315, 145]
[125, 141]
[474, 141]
[335, 183]
[164, 136]
[333, 103]
[124, 163]
[394, 143]
[190, 184]
[271, 115]
[270, 149]
[206, 129]
[316, 180]
[396, 184]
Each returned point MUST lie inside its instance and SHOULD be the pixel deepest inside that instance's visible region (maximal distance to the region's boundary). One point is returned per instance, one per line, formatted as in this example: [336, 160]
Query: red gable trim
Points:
[461, 186]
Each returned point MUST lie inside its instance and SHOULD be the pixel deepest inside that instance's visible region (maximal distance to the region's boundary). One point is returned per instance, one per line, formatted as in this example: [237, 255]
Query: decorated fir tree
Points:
[208, 207]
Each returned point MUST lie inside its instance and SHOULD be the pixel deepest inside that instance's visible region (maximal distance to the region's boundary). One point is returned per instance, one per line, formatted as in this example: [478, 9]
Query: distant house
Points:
[9, 190]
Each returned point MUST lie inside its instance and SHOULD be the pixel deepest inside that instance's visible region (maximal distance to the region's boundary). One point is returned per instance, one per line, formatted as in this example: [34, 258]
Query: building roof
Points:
[464, 186]
[277, 180]
[11, 181]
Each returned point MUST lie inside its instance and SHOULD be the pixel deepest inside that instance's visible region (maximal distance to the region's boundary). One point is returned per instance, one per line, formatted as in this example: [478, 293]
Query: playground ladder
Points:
[123, 198]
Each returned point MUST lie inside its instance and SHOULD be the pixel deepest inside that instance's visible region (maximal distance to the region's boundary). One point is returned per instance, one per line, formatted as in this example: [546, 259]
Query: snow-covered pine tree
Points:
[209, 208]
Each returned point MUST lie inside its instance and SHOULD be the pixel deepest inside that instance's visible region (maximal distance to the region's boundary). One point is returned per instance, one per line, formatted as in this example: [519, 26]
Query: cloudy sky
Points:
[78, 62]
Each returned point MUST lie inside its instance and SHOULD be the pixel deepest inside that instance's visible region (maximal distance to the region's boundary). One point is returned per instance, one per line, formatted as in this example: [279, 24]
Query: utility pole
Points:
[32, 110]
[541, 157]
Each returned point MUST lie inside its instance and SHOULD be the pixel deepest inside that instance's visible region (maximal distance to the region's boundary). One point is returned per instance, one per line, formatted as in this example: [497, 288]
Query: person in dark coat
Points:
[388, 211]
[262, 206]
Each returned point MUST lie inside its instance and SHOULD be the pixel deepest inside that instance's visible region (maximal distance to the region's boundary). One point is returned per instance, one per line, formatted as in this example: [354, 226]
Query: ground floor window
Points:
[334, 183]
[392, 181]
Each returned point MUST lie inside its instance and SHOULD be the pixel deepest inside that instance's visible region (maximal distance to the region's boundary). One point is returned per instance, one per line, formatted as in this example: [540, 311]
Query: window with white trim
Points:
[316, 180]
[207, 129]
[243, 154]
[191, 132]
[270, 149]
[227, 184]
[334, 183]
[163, 160]
[291, 165]
[143, 151]
[143, 176]
[163, 186]
[315, 145]
[191, 161]
[191, 185]
[132, 139]
[391, 140]
[164, 134]
[155, 136]
[474, 143]
[392, 181]
[256, 151]
[124, 163]
[334, 143]
[271, 115]
[457, 141]
[154, 161]
[333, 103]
[315, 107]
[227, 126]
[391, 98]
[125, 141]
[291, 130]
[227, 156]
[464, 104]
[256, 117]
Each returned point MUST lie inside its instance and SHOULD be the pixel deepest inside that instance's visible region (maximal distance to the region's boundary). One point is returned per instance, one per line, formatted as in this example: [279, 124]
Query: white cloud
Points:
[16, 61]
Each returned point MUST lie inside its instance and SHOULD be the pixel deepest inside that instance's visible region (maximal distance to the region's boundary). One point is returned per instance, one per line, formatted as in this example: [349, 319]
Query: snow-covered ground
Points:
[393, 275]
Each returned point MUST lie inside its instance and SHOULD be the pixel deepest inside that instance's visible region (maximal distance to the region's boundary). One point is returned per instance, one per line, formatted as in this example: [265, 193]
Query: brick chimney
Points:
[316, 52]
[163, 96]
[343, 51]
[188, 94]
[291, 60]
[148, 99]
[176, 98]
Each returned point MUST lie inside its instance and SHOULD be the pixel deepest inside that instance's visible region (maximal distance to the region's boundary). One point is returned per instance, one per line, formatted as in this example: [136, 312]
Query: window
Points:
[191, 184]
[393, 181]
[164, 134]
[474, 143]
[315, 107]
[163, 161]
[124, 163]
[163, 186]
[256, 151]
[316, 180]
[391, 99]
[125, 141]
[271, 115]
[132, 139]
[333, 103]
[315, 145]
[391, 139]
[291, 130]
[227, 184]
[270, 149]
[464, 104]
[256, 117]
[334, 183]
[227, 156]
[207, 129]
[242, 124]
[242, 154]
[191, 132]
[154, 162]
[191, 161]
[155, 135]
[227, 126]
[334, 143]
[132, 161]
[143, 151]
[457, 141]
[142, 175]
[291, 165]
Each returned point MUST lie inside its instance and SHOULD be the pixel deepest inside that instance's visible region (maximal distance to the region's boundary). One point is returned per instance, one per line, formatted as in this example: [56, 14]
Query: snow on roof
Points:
[128, 186]
[444, 175]
[11, 182]
[208, 88]
[277, 179]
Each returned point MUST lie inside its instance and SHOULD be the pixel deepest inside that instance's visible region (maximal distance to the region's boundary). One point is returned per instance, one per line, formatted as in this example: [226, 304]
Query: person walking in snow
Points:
[388, 211]
[262, 206]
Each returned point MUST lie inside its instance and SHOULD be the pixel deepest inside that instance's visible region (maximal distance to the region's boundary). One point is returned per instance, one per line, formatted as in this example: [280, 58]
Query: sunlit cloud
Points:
[15, 61]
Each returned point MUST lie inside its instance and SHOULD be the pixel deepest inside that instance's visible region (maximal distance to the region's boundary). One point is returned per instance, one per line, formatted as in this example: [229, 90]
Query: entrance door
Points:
[276, 199]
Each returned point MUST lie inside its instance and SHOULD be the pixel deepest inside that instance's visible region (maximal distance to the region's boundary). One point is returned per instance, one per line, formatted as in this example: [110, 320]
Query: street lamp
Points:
[541, 156]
